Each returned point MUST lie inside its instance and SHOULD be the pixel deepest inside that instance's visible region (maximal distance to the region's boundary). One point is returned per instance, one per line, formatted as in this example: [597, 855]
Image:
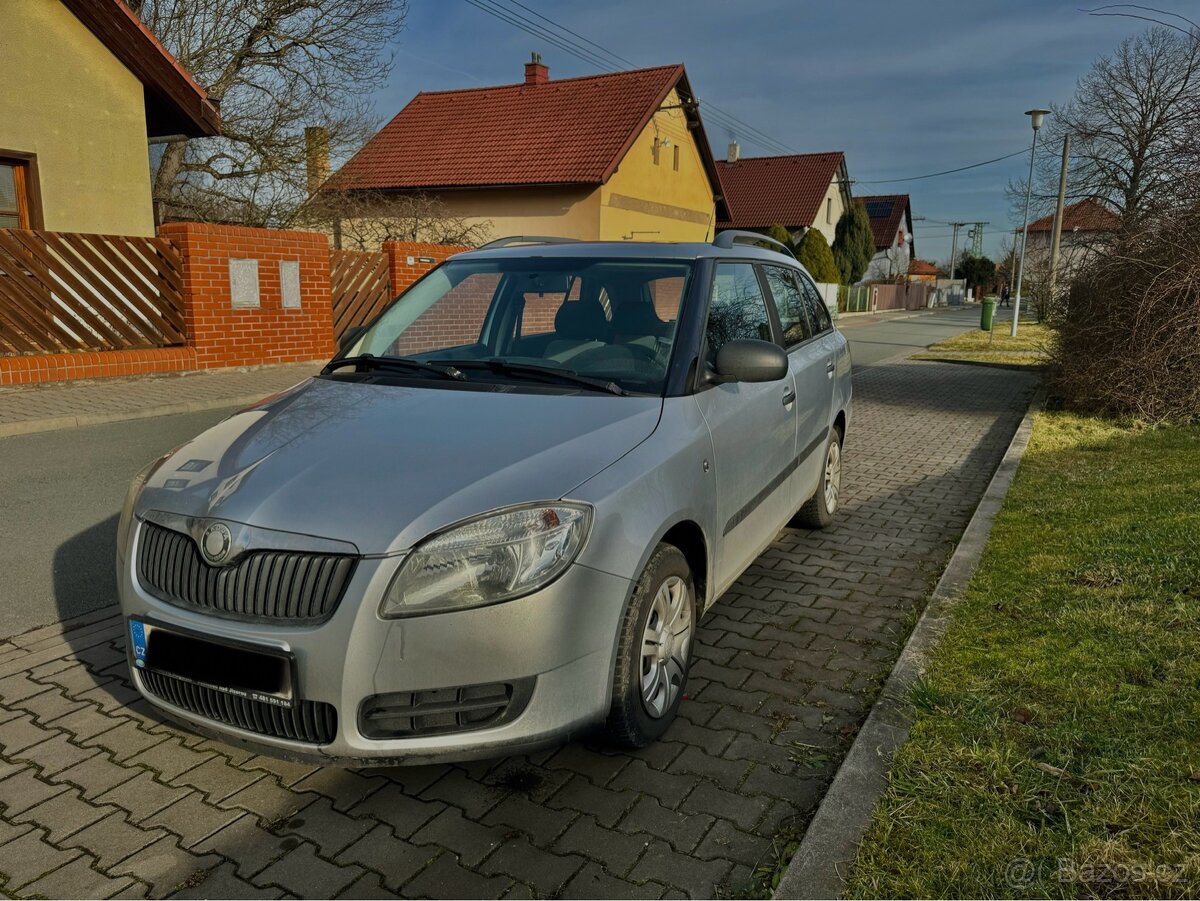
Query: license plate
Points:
[244, 670]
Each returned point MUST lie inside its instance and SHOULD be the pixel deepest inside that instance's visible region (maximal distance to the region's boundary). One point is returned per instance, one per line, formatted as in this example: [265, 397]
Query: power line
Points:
[884, 181]
[721, 116]
[564, 39]
[562, 27]
[950, 234]
[564, 42]
[527, 25]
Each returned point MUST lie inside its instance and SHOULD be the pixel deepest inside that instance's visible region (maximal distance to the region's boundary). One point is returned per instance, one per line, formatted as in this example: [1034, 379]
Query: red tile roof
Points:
[921, 267]
[569, 131]
[777, 190]
[886, 212]
[175, 103]
[1085, 215]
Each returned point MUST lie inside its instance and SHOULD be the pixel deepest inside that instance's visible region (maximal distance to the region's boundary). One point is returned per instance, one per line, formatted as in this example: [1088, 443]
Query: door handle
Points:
[789, 395]
[829, 368]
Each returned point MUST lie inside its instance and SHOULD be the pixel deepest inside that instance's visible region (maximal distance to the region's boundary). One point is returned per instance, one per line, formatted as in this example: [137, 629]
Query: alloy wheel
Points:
[665, 645]
[833, 477]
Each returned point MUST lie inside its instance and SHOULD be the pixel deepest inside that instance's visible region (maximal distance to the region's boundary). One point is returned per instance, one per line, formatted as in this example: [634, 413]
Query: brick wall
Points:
[30, 369]
[456, 318]
[409, 260]
[224, 335]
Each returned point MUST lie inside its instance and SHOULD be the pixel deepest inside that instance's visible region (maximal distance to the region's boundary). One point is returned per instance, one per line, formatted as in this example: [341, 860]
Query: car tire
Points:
[821, 508]
[663, 604]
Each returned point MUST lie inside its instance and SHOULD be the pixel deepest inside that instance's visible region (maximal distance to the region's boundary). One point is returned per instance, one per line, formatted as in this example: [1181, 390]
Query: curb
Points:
[32, 426]
[1018, 367]
[817, 869]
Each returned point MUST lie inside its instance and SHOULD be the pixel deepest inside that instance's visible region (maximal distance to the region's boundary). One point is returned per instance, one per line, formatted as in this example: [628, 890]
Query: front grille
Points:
[266, 585]
[308, 721]
[404, 714]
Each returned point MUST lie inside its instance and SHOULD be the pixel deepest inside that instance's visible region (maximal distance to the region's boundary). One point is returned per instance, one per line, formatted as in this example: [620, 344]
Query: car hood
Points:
[382, 466]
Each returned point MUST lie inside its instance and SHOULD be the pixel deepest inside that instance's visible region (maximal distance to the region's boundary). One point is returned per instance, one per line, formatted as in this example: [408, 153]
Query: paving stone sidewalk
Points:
[96, 400]
[101, 798]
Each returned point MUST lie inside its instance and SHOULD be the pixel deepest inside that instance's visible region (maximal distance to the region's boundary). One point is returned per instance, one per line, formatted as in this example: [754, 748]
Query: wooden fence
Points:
[62, 291]
[361, 287]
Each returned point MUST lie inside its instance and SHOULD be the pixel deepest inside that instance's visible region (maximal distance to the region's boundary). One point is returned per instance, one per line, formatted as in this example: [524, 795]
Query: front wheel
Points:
[653, 650]
[823, 505]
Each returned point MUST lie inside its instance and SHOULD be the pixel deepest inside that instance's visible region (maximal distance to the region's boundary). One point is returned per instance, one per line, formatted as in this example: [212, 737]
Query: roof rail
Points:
[527, 239]
[727, 239]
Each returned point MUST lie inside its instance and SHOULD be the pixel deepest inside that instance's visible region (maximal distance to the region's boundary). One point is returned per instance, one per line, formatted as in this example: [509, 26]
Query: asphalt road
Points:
[62, 495]
[62, 491]
[873, 342]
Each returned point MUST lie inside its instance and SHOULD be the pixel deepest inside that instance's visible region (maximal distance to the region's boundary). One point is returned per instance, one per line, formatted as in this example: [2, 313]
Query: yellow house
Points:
[86, 85]
[620, 156]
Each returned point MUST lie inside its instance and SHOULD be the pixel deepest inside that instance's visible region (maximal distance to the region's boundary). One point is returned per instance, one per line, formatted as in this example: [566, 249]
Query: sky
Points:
[903, 88]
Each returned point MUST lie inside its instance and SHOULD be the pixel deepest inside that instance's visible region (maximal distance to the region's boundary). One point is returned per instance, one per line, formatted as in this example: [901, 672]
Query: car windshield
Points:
[609, 321]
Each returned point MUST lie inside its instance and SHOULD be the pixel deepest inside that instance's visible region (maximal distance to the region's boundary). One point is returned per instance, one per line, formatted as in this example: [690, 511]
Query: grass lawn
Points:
[1031, 337]
[1056, 745]
[1029, 348]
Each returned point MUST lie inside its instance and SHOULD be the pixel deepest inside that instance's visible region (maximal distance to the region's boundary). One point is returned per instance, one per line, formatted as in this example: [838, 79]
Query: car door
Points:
[806, 360]
[752, 425]
[831, 343]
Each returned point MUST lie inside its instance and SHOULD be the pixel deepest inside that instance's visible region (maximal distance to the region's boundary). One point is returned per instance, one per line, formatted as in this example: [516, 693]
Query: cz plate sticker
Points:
[137, 634]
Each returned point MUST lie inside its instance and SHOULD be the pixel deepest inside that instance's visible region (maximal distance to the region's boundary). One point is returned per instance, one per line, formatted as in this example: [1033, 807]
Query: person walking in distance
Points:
[1004, 295]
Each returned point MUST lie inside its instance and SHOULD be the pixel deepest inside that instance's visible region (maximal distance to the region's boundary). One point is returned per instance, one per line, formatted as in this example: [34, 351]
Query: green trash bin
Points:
[988, 313]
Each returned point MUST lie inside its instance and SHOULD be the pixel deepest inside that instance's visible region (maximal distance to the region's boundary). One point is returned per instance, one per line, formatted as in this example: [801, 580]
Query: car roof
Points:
[630, 250]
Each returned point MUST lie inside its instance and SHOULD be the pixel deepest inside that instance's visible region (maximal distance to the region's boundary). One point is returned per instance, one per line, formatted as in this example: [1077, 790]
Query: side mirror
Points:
[751, 360]
[350, 335]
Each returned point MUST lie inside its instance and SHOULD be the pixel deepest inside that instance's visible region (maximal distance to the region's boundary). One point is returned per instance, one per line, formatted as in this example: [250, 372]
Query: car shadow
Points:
[786, 667]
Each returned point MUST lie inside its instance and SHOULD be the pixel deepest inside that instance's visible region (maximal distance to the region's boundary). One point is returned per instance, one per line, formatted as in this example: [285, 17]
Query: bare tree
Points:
[274, 66]
[363, 219]
[1132, 121]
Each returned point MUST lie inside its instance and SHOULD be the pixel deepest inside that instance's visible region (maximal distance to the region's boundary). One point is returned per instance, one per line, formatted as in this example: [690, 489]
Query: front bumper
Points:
[560, 641]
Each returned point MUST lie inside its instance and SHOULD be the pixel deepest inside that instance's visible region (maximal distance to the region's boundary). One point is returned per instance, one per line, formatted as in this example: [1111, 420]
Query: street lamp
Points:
[1035, 116]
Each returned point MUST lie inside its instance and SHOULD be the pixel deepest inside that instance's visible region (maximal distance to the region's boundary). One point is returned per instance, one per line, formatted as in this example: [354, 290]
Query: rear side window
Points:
[816, 306]
[789, 303]
[737, 309]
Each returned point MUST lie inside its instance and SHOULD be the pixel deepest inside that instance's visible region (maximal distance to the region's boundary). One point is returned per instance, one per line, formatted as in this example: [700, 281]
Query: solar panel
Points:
[879, 209]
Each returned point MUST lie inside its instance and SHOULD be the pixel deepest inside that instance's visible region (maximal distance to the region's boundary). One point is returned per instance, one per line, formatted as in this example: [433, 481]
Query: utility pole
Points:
[954, 249]
[1058, 216]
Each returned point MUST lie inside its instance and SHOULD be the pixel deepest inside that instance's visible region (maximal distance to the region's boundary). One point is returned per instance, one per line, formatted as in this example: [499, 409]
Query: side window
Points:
[737, 308]
[816, 306]
[789, 303]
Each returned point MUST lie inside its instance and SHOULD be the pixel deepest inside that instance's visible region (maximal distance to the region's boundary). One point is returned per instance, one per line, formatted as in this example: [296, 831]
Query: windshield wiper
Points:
[370, 361]
[563, 376]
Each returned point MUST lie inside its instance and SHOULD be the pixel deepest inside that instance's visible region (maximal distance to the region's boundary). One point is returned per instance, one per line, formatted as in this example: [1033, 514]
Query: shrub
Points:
[1129, 338]
[782, 235]
[853, 243]
[814, 254]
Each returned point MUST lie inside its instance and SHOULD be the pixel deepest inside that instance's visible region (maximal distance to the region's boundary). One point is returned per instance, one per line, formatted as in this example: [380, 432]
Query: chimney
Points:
[535, 72]
[316, 151]
[734, 151]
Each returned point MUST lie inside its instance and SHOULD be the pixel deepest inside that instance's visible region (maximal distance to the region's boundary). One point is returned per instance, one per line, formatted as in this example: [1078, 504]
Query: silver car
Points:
[494, 519]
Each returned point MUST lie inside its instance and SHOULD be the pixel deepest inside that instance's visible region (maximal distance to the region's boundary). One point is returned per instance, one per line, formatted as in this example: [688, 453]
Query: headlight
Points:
[131, 496]
[497, 557]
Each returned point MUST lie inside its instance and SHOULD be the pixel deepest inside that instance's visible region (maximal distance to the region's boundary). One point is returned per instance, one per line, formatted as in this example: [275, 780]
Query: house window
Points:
[16, 209]
[829, 210]
[676, 149]
[656, 150]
